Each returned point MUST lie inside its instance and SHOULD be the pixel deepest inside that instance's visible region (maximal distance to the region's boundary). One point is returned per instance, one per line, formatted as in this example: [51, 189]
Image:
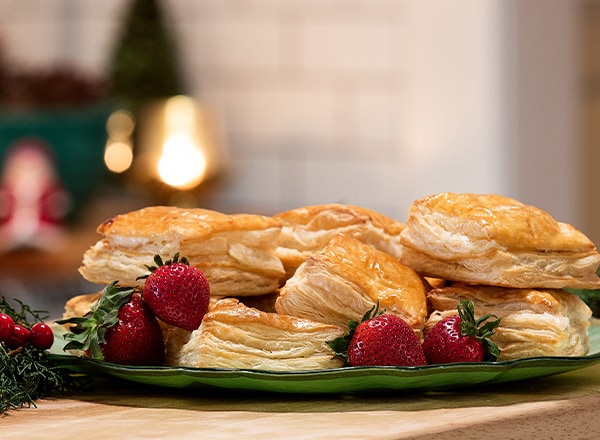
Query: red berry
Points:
[41, 336]
[444, 344]
[137, 338]
[18, 338]
[132, 336]
[461, 338]
[385, 340]
[177, 294]
[7, 326]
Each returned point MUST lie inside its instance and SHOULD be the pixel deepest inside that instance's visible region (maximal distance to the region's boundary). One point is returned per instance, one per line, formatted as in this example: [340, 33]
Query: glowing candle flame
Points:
[182, 163]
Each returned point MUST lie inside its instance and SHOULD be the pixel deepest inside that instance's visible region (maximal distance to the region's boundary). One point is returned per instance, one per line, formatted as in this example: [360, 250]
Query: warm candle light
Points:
[118, 154]
[182, 165]
[177, 144]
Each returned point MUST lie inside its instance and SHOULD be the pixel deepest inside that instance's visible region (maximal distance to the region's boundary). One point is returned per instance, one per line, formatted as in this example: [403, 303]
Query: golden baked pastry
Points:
[494, 240]
[235, 252]
[346, 279]
[534, 322]
[235, 336]
[309, 229]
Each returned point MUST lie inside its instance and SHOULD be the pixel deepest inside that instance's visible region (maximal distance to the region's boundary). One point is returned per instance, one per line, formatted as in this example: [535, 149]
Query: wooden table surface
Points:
[565, 406]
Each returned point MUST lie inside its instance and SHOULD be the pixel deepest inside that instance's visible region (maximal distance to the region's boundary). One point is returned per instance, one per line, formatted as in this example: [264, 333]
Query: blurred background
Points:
[261, 106]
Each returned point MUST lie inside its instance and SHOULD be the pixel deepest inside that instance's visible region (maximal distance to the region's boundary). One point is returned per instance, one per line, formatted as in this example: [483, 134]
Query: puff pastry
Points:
[494, 240]
[235, 252]
[233, 335]
[346, 279]
[534, 322]
[308, 229]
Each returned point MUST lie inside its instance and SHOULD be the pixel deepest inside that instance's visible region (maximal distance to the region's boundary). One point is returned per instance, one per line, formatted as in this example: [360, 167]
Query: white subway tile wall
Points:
[368, 102]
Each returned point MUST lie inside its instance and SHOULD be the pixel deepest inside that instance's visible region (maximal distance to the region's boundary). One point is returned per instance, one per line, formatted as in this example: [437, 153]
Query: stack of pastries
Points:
[283, 286]
[510, 259]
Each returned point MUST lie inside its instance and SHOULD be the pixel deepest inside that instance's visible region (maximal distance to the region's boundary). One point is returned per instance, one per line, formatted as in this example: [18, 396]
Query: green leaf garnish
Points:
[479, 329]
[88, 332]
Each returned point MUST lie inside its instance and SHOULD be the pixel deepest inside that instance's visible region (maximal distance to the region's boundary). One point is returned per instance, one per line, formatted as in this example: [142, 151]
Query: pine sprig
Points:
[27, 374]
[24, 315]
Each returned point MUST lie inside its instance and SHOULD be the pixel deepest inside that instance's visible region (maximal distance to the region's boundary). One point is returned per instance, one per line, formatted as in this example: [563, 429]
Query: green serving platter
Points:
[339, 380]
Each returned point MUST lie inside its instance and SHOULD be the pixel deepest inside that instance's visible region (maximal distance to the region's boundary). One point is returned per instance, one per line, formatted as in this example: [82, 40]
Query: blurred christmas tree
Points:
[144, 64]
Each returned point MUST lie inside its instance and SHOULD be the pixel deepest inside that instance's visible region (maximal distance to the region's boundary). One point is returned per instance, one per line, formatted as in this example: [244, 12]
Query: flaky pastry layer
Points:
[534, 322]
[235, 252]
[494, 240]
[233, 335]
[308, 229]
[346, 279]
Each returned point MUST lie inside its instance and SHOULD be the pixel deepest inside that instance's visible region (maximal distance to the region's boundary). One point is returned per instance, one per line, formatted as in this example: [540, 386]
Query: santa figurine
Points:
[33, 201]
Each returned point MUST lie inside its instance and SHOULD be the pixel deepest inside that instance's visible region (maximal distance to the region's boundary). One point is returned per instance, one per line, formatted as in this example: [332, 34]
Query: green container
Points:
[77, 137]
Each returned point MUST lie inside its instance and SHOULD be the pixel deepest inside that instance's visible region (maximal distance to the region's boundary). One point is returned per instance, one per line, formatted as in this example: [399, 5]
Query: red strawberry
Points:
[460, 338]
[120, 328]
[379, 340]
[176, 292]
[137, 338]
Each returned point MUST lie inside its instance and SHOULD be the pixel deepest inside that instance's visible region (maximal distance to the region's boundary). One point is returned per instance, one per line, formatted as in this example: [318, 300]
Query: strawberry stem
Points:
[481, 329]
[88, 332]
[158, 262]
